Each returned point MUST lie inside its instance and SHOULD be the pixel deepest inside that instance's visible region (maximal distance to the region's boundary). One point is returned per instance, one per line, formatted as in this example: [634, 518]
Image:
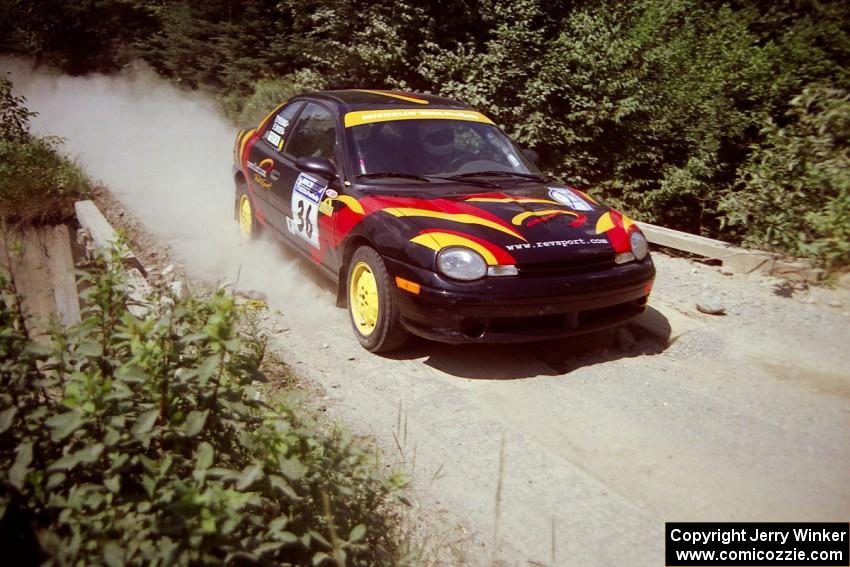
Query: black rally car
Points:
[434, 222]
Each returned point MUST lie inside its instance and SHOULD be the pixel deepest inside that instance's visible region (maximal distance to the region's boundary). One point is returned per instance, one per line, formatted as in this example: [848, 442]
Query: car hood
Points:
[526, 224]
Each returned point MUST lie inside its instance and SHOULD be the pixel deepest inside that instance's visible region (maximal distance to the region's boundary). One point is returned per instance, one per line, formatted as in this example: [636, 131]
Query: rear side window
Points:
[314, 134]
[278, 128]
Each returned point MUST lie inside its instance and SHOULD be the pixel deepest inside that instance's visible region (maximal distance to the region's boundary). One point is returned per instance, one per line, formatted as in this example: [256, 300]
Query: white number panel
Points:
[306, 196]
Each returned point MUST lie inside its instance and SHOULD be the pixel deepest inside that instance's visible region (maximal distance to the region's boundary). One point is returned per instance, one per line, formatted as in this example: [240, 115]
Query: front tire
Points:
[371, 306]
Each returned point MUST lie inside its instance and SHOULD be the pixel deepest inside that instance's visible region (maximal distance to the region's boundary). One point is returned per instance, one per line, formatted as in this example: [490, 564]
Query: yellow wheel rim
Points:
[363, 298]
[246, 216]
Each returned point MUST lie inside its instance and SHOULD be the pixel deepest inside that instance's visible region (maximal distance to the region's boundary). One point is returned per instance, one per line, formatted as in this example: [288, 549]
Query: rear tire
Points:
[372, 308]
[245, 216]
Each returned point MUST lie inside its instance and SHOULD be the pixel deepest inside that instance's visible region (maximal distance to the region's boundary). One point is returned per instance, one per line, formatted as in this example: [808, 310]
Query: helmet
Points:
[437, 137]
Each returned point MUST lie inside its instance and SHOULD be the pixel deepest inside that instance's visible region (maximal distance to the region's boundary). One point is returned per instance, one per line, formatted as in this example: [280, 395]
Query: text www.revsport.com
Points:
[756, 555]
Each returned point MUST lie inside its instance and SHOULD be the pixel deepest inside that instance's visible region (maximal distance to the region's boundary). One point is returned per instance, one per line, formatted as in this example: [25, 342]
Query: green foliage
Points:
[76, 36]
[143, 441]
[657, 105]
[794, 192]
[36, 182]
[654, 104]
[14, 115]
[269, 93]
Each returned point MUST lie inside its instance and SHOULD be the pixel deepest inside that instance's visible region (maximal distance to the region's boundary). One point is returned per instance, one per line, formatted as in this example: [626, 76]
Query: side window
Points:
[314, 134]
[277, 129]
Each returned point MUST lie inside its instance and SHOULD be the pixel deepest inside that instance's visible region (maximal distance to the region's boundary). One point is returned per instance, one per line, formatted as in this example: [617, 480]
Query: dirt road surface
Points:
[596, 441]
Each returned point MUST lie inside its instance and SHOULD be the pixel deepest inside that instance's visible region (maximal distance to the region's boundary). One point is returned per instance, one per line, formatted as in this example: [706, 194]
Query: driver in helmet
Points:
[437, 139]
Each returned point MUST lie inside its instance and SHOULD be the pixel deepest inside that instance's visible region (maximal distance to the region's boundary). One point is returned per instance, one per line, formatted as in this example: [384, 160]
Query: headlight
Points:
[461, 263]
[640, 248]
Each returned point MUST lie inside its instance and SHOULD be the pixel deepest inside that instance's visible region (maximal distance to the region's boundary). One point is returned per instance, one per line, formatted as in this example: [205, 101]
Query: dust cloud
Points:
[166, 155]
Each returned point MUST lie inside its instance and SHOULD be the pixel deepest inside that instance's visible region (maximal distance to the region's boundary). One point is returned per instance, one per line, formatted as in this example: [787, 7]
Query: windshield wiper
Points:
[461, 179]
[530, 176]
[385, 174]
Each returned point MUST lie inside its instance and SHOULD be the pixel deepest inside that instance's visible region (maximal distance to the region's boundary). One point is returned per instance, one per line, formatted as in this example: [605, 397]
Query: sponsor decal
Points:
[327, 206]
[274, 138]
[309, 187]
[370, 116]
[280, 125]
[264, 183]
[558, 243]
[262, 172]
[569, 198]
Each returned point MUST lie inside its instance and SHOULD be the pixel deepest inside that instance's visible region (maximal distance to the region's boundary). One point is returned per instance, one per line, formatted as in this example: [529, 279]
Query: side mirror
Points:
[532, 155]
[316, 165]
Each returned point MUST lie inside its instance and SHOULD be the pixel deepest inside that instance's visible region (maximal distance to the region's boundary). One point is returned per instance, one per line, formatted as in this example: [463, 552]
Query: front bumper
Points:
[517, 309]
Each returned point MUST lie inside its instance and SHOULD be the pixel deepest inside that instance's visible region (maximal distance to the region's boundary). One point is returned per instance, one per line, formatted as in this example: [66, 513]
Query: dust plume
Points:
[166, 155]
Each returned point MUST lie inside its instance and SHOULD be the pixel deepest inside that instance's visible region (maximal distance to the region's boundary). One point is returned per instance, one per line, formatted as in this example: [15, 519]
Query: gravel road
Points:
[570, 452]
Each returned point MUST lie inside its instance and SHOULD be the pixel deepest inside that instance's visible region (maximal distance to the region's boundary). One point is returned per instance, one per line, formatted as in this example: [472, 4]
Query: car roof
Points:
[367, 99]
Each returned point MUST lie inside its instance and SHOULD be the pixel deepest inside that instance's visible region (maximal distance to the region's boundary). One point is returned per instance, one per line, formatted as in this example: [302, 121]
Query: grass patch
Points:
[37, 184]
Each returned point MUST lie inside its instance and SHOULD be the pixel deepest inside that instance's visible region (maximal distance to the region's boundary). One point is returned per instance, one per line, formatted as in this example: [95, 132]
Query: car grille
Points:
[591, 264]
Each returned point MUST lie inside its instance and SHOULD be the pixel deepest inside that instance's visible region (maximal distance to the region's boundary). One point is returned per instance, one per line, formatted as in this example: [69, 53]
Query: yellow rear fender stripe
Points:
[462, 218]
[245, 139]
[272, 113]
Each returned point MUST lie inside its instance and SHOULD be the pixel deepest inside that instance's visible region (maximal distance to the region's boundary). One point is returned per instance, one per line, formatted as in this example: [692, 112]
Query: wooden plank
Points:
[101, 232]
[104, 236]
[734, 257]
[32, 279]
[91, 219]
[60, 263]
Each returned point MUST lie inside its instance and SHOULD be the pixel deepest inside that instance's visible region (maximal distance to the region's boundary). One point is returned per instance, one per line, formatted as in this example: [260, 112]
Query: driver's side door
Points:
[299, 195]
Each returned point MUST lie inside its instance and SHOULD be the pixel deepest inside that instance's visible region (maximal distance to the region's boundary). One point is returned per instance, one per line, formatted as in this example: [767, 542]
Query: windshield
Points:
[437, 147]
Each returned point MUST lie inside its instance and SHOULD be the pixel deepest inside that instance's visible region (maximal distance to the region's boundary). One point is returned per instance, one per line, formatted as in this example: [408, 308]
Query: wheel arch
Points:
[239, 184]
[351, 246]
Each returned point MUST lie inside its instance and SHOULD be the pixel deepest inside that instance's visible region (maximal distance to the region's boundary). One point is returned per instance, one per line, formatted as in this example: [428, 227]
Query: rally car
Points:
[433, 222]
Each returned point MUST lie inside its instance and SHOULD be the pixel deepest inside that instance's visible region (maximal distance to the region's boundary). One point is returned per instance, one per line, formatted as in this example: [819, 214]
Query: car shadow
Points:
[647, 335]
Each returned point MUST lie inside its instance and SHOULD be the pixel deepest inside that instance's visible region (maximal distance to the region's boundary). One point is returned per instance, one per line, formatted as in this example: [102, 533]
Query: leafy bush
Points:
[655, 104]
[36, 182]
[269, 93]
[794, 193]
[143, 441]
[14, 115]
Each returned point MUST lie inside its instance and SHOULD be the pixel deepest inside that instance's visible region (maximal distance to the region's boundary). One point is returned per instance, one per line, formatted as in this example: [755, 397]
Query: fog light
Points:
[624, 257]
[506, 270]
